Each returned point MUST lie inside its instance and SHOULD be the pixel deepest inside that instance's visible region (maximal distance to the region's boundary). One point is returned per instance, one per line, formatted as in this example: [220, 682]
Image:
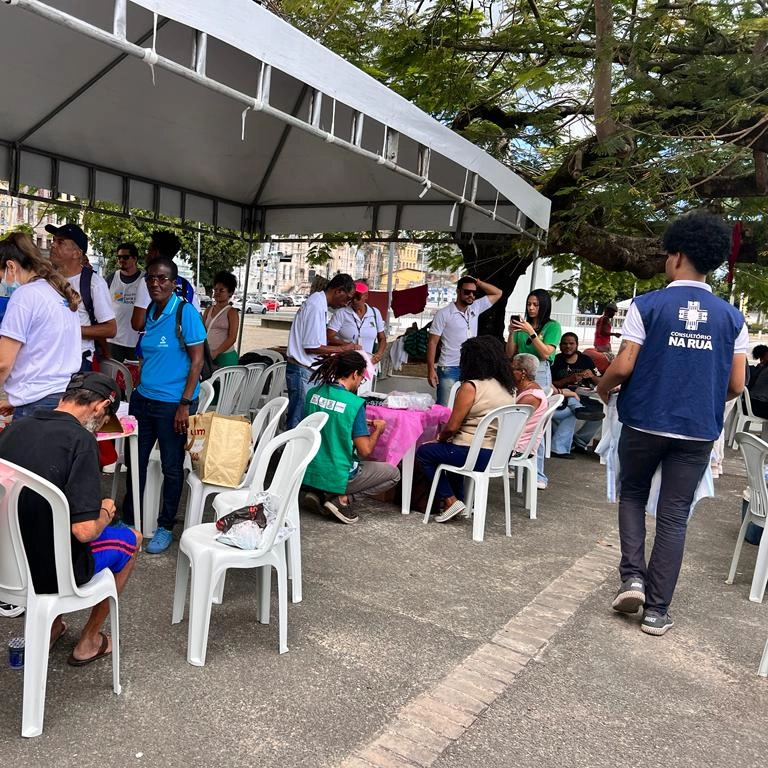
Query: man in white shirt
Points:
[308, 341]
[97, 321]
[128, 291]
[453, 325]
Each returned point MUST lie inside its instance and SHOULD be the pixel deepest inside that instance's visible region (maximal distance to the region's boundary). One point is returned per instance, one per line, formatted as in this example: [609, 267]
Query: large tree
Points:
[623, 112]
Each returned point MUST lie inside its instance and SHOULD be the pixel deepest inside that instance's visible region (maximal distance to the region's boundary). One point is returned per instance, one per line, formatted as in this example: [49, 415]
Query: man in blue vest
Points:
[682, 355]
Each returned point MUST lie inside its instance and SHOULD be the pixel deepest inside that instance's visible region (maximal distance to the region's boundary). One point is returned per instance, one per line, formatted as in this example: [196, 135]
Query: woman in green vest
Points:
[336, 477]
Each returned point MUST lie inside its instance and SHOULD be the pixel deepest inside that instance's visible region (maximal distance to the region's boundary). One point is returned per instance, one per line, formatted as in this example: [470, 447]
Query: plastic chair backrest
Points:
[251, 386]
[15, 577]
[275, 357]
[205, 398]
[273, 380]
[111, 368]
[314, 420]
[299, 446]
[264, 424]
[553, 401]
[452, 394]
[230, 379]
[747, 402]
[754, 452]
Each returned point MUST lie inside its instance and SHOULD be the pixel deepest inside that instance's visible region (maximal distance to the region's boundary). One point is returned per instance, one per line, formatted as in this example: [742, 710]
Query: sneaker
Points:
[10, 611]
[160, 541]
[576, 448]
[341, 511]
[561, 455]
[541, 485]
[630, 597]
[447, 514]
[655, 623]
[311, 501]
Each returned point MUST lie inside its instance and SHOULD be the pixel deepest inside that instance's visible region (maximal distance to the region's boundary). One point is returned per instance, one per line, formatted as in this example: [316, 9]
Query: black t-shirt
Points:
[561, 368]
[54, 445]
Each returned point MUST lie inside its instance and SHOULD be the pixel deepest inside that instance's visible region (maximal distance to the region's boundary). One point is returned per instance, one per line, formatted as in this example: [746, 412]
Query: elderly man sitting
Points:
[572, 368]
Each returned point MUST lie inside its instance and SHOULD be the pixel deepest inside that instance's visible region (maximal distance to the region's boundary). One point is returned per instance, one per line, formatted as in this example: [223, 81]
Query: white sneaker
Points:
[456, 508]
[541, 485]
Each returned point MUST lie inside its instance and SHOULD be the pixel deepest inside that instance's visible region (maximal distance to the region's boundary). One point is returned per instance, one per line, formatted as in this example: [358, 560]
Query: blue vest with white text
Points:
[680, 380]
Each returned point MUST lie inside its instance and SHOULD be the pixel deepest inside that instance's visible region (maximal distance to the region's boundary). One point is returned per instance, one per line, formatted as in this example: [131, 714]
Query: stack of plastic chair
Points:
[263, 429]
[271, 384]
[510, 422]
[755, 453]
[251, 389]
[208, 560]
[525, 464]
[16, 587]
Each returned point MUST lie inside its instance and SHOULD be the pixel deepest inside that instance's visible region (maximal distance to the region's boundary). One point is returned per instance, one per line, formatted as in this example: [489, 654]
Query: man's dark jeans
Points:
[683, 463]
[156, 423]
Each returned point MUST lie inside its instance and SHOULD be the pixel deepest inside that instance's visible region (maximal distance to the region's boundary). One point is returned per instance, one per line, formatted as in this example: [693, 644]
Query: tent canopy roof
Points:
[223, 113]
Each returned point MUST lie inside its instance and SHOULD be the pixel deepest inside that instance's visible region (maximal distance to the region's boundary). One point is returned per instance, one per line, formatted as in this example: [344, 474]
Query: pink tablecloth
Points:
[405, 429]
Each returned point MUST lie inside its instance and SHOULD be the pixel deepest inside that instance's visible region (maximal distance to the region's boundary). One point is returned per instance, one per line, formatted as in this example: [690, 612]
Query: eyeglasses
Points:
[159, 279]
[124, 256]
[469, 291]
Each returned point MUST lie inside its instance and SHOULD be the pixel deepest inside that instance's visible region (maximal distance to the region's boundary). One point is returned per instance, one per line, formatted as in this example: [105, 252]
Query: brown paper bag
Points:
[220, 447]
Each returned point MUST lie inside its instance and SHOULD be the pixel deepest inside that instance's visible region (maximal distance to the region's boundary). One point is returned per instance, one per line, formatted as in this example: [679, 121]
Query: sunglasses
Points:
[159, 279]
[469, 291]
[123, 257]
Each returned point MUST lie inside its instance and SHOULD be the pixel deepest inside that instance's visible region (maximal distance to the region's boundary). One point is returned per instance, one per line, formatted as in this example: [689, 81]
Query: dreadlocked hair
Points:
[18, 246]
[335, 367]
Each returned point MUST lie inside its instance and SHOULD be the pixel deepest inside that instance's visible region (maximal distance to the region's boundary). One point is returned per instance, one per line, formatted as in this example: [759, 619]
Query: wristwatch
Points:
[185, 401]
[533, 336]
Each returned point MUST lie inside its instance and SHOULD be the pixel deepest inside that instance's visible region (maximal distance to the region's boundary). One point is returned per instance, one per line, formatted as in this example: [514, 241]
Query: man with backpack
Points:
[128, 292]
[97, 316]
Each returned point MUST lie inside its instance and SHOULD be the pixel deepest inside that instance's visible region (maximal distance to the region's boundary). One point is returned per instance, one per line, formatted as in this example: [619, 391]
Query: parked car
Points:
[254, 307]
[285, 300]
[271, 304]
[205, 301]
[298, 299]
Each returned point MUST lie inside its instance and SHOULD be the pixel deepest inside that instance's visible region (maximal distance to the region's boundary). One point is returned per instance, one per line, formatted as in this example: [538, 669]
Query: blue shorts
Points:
[113, 549]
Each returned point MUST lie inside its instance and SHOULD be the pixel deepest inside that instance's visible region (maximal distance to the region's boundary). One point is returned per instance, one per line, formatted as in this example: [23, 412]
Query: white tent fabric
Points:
[220, 112]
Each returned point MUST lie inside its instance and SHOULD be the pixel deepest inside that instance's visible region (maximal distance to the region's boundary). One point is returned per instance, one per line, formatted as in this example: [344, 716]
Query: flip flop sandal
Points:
[58, 637]
[73, 662]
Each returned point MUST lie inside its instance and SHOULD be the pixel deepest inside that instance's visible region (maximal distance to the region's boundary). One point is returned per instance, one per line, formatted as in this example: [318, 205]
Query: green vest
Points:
[329, 470]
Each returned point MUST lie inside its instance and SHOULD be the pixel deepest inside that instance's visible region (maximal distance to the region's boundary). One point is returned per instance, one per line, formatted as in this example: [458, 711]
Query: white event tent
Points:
[223, 113]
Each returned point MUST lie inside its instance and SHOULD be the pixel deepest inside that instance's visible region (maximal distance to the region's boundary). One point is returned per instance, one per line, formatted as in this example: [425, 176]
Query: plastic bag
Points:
[248, 534]
[412, 401]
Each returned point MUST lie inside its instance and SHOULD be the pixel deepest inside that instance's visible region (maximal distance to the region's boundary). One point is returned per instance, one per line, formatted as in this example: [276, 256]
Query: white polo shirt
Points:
[309, 329]
[358, 330]
[455, 327]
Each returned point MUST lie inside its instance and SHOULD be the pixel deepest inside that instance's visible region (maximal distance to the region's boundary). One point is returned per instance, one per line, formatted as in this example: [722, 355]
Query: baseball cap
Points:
[361, 288]
[104, 386]
[70, 232]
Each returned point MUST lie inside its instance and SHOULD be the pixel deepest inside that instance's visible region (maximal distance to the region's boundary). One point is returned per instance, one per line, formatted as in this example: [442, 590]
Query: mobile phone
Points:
[515, 318]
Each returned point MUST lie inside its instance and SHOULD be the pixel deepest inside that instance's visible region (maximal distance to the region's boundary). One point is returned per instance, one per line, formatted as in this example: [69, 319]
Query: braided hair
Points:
[18, 246]
[335, 367]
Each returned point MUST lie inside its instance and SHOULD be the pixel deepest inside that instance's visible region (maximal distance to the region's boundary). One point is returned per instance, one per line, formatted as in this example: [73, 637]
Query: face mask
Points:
[8, 288]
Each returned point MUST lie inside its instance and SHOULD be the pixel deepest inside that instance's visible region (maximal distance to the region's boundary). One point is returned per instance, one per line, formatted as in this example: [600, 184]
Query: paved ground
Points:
[416, 646]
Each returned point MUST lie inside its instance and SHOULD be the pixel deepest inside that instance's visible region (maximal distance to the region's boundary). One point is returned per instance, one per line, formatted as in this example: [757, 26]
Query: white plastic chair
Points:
[510, 420]
[762, 670]
[251, 388]
[754, 451]
[263, 429]
[275, 357]
[744, 417]
[153, 488]
[452, 394]
[230, 379]
[16, 587]
[209, 560]
[271, 385]
[525, 464]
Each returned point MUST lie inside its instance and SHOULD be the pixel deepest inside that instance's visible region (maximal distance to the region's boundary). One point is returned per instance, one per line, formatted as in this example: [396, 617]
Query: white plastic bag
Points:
[248, 535]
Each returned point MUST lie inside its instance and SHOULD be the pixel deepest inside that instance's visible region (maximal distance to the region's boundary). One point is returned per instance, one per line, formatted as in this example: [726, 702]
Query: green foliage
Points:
[106, 233]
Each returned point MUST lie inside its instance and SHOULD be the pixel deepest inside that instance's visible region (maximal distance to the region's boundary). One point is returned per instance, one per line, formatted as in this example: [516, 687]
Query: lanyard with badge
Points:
[360, 325]
[467, 319]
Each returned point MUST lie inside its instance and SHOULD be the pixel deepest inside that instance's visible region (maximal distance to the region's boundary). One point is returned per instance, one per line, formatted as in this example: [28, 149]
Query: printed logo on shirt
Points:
[163, 342]
[327, 404]
[693, 315]
[121, 297]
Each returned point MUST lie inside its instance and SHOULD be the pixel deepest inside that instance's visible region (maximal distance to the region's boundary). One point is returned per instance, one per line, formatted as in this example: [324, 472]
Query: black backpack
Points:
[208, 365]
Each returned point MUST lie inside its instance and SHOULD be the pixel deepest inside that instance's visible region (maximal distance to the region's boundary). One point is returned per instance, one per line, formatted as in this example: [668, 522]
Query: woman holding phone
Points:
[537, 335]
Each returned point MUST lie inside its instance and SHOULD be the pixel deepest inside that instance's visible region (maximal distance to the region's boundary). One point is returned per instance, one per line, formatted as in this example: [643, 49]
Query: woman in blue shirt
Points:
[167, 391]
